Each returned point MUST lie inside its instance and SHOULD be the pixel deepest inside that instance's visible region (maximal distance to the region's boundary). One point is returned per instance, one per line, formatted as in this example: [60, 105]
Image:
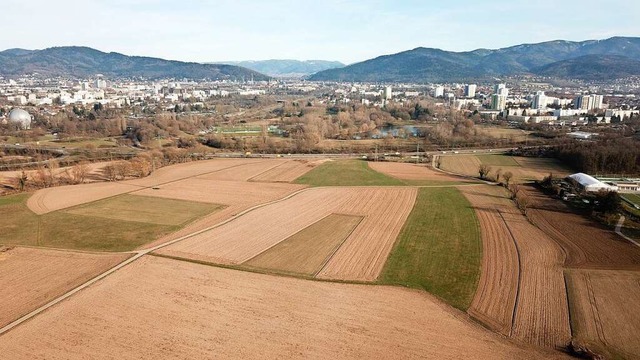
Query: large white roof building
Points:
[589, 183]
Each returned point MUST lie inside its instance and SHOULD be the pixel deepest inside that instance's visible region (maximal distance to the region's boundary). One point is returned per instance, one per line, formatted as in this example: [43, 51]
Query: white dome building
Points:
[20, 117]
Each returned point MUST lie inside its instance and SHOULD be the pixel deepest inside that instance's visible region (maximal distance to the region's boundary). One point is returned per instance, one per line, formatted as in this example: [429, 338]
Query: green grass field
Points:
[346, 173]
[439, 249]
[120, 223]
[497, 160]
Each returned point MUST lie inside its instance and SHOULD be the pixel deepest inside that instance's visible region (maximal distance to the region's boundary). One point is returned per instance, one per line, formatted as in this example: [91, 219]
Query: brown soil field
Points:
[542, 310]
[56, 198]
[494, 301]
[244, 172]
[461, 164]
[288, 171]
[32, 277]
[605, 312]
[529, 169]
[586, 243]
[62, 197]
[235, 195]
[362, 255]
[161, 308]
[405, 171]
[541, 315]
[307, 251]
[190, 169]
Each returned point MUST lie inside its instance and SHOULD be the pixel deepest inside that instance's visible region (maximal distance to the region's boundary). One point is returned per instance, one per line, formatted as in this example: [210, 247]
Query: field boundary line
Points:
[138, 255]
[266, 171]
[517, 299]
[69, 293]
[267, 249]
[619, 231]
[138, 187]
[333, 253]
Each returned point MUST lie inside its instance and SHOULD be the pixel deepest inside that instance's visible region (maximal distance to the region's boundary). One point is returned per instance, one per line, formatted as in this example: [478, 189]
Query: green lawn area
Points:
[497, 160]
[120, 223]
[439, 249]
[346, 173]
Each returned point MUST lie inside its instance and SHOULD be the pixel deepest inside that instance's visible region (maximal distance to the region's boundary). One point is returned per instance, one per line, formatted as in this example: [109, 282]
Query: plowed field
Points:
[159, 308]
[541, 315]
[406, 171]
[235, 195]
[585, 243]
[605, 312]
[362, 255]
[494, 301]
[244, 172]
[307, 251]
[62, 197]
[30, 278]
[525, 169]
[288, 171]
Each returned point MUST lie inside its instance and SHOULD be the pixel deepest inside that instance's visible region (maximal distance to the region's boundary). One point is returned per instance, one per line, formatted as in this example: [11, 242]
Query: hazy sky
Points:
[344, 30]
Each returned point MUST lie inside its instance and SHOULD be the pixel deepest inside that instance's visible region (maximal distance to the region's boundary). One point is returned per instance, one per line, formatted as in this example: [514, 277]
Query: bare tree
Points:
[79, 172]
[22, 180]
[507, 177]
[498, 173]
[484, 171]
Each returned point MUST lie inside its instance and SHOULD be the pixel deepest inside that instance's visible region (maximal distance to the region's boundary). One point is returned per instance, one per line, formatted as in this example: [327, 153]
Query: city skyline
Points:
[343, 30]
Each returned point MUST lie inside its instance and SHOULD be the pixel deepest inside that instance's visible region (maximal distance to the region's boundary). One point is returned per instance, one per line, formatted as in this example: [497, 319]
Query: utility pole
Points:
[417, 152]
[376, 156]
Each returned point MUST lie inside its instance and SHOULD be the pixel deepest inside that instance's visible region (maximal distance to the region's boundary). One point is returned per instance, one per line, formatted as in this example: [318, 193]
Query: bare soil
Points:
[585, 242]
[308, 250]
[288, 171]
[361, 257]
[405, 171]
[161, 308]
[605, 313]
[541, 314]
[31, 277]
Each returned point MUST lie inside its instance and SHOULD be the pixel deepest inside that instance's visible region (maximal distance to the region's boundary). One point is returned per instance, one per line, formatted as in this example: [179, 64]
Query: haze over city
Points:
[345, 30]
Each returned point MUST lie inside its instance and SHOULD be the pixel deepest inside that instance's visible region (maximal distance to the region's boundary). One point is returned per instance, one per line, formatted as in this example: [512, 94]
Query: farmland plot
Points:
[288, 171]
[55, 198]
[307, 251]
[236, 196]
[540, 315]
[362, 255]
[494, 300]
[161, 308]
[32, 277]
[605, 313]
[405, 171]
[585, 242]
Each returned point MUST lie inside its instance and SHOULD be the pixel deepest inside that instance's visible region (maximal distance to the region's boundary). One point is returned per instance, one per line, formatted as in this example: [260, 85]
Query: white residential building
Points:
[470, 90]
[539, 101]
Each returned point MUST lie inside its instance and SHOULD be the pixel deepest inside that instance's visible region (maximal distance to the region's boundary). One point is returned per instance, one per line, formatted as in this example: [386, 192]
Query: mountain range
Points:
[82, 62]
[609, 59]
[589, 60]
[287, 68]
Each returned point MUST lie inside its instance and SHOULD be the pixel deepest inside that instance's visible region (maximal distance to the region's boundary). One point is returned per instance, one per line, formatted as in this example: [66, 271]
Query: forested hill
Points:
[81, 62]
[435, 65]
